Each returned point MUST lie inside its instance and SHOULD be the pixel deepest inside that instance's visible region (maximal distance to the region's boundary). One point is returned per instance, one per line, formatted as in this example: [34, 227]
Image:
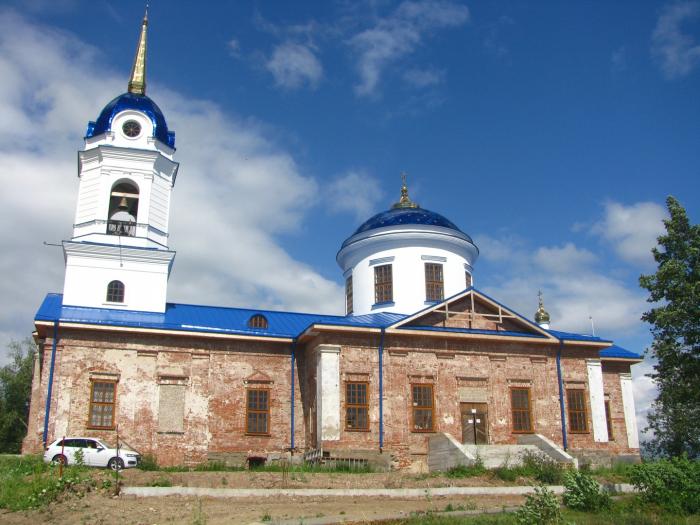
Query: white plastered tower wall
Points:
[126, 176]
[407, 238]
[141, 260]
[407, 248]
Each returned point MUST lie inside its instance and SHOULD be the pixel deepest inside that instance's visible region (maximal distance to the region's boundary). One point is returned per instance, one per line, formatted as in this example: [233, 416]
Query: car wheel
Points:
[59, 459]
[115, 464]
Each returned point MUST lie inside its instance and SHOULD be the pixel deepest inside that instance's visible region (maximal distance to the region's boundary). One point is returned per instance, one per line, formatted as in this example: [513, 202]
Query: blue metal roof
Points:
[286, 325]
[206, 319]
[403, 216]
[618, 352]
[140, 103]
[570, 336]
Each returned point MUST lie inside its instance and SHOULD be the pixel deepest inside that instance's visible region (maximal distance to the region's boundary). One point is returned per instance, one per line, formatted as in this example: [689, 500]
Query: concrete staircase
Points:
[445, 452]
[494, 456]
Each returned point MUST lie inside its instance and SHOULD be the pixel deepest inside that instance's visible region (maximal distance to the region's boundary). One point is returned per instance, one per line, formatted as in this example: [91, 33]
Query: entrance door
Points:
[475, 419]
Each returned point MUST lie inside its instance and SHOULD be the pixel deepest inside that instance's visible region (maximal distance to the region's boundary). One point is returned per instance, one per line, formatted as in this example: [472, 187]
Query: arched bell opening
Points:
[123, 209]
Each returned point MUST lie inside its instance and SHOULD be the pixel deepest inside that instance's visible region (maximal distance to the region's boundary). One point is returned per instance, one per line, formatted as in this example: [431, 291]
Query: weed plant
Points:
[161, 481]
[27, 482]
[148, 463]
[464, 471]
[540, 508]
[582, 492]
[542, 468]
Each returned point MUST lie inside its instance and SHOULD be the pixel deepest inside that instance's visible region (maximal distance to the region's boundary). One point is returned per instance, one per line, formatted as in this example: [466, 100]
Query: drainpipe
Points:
[381, 391]
[561, 396]
[294, 346]
[51, 369]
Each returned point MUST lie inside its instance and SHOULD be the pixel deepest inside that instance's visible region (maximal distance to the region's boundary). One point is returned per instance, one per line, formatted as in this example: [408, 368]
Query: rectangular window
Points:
[356, 406]
[422, 398]
[608, 420]
[434, 283]
[102, 401]
[257, 411]
[383, 284]
[468, 279]
[522, 414]
[576, 403]
[348, 295]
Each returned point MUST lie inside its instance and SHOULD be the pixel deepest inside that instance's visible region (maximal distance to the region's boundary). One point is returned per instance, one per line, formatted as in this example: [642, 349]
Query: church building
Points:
[423, 371]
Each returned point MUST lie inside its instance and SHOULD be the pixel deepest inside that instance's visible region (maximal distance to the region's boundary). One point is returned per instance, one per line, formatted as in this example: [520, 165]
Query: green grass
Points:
[618, 473]
[26, 482]
[161, 481]
[463, 471]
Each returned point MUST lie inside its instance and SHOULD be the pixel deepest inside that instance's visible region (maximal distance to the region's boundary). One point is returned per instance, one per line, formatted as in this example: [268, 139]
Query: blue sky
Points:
[551, 132]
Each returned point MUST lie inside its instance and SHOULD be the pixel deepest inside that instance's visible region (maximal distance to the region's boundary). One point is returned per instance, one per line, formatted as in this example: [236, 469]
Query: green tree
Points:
[15, 391]
[674, 291]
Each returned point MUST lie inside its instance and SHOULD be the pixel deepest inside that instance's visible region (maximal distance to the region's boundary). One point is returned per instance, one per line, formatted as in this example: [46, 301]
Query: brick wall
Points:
[214, 374]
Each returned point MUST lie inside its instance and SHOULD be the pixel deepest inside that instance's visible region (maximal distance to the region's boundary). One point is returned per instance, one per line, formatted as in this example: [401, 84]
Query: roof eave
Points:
[164, 331]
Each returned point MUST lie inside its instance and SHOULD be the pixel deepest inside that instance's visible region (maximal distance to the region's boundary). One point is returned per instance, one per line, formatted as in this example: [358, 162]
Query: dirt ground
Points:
[305, 480]
[101, 507]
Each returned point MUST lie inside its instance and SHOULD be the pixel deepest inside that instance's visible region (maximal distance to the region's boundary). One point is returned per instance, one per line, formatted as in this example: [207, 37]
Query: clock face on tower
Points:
[131, 128]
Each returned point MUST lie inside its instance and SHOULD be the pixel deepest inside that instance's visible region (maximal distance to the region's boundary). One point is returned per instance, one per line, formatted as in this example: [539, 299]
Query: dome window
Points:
[123, 209]
[383, 284]
[131, 129]
[258, 321]
[115, 292]
[434, 282]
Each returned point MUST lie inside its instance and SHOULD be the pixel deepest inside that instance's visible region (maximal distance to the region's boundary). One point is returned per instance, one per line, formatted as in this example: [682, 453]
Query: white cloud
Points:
[563, 259]
[632, 230]
[355, 192]
[422, 78]
[293, 65]
[398, 35]
[676, 52]
[645, 392]
[498, 249]
[234, 48]
[235, 193]
[574, 288]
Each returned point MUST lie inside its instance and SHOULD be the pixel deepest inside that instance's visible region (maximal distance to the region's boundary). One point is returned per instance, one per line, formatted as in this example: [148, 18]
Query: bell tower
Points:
[118, 256]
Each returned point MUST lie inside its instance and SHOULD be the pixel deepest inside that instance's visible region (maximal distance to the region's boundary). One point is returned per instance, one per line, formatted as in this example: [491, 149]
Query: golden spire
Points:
[405, 201]
[137, 81]
[541, 315]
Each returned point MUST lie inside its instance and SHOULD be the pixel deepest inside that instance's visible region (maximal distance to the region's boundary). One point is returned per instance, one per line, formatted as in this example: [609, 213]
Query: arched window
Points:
[123, 209]
[115, 292]
[257, 321]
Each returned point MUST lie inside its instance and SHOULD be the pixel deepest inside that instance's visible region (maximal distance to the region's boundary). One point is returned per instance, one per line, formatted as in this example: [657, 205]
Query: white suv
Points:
[95, 453]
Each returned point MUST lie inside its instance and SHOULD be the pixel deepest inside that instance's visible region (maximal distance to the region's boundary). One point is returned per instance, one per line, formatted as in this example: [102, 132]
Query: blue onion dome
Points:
[136, 102]
[405, 213]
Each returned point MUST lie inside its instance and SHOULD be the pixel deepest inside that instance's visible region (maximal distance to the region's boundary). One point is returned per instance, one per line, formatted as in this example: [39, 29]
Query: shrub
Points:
[506, 473]
[463, 471]
[673, 484]
[583, 493]
[162, 481]
[27, 482]
[540, 508]
[542, 468]
[148, 462]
